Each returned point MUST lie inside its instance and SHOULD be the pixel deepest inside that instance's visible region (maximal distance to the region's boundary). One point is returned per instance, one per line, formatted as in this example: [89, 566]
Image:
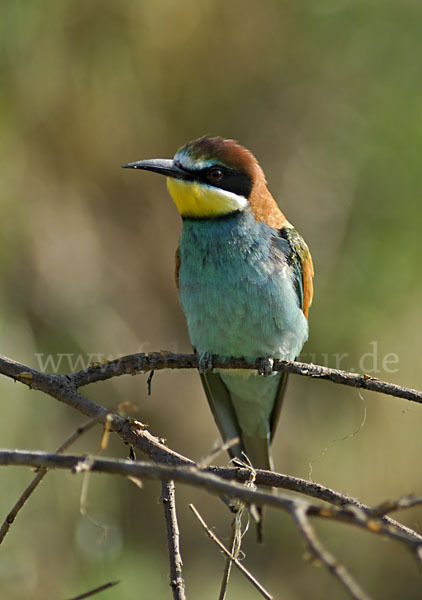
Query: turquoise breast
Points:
[237, 289]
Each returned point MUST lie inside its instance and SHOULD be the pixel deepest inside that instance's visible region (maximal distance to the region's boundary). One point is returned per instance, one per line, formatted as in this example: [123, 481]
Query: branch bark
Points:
[233, 559]
[216, 485]
[168, 498]
[133, 364]
[320, 552]
[174, 466]
[142, 363]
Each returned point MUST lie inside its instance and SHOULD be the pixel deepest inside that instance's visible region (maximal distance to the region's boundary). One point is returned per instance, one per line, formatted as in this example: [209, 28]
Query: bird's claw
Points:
[266, 366]
[205, 363]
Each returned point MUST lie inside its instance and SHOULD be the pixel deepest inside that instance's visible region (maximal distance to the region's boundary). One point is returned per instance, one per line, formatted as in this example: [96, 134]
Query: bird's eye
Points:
[215, 175]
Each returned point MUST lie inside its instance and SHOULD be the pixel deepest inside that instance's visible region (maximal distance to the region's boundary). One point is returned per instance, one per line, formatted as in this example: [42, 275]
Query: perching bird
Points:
[244, 277]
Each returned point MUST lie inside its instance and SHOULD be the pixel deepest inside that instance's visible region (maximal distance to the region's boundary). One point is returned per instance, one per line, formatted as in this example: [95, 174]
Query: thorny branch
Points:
[228, 482]
[215, 484]
[299, 508]
[154, 361]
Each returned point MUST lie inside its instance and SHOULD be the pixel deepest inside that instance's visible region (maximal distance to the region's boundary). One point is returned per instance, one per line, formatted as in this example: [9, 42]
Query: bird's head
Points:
[209, 177]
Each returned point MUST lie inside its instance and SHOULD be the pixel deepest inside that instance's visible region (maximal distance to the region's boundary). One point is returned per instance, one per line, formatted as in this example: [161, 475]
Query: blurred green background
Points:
[328, 95]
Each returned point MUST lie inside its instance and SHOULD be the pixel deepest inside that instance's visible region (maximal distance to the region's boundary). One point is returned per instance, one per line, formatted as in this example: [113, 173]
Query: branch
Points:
[216, 485]
[316, 490]
[142, 363]
[168, 499]
[133, 364]
[95, 591]
[175, 466]
[233, 551]
[317, 549]
[233, 559]
[63, 388]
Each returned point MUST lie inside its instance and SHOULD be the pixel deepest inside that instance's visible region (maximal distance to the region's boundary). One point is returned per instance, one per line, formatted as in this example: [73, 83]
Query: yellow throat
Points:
[199, 200]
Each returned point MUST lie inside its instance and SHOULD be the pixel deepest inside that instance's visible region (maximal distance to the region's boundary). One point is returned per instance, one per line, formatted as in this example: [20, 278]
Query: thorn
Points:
[149, 381]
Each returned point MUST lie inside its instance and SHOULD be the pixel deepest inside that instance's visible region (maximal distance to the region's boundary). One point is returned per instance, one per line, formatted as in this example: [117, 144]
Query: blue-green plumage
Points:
[238, 287]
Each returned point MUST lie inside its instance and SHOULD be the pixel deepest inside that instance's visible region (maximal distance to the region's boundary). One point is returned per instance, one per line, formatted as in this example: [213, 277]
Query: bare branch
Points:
[168, 499]
[319, 551]
[392, 505]
[214, 484]
[175, 466]
[61, 388]
[235, 561]
[134, 433]
[314, 490]
[235, 544]
[142, 363]
[133, 364]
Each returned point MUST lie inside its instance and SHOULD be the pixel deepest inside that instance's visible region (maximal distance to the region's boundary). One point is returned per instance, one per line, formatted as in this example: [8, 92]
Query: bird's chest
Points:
[228, 288]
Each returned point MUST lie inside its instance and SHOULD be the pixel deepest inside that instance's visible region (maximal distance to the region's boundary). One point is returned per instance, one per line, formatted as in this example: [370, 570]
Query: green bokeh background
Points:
[328, 95]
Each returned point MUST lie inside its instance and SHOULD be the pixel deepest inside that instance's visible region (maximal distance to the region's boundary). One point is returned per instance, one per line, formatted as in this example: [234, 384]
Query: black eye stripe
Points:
[237, 182]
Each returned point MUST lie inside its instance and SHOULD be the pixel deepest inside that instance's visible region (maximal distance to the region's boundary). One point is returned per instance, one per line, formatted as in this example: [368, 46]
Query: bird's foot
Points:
[266, 366]
[205, 363]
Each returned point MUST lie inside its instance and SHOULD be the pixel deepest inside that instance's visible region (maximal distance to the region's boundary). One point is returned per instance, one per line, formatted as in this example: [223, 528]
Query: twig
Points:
[235, 543]
[312, 489]
[238, 564]
[206, 460]
[177, 583]
[392, 505]
[39, 477]
[97, 590]
[319, 551]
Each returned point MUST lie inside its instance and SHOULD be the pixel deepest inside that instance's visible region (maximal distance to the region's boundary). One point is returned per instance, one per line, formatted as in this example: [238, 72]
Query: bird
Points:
[244, 276]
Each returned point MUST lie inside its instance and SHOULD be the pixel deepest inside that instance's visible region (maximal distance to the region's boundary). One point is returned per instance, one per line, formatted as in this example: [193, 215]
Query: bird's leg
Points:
[266, 366]
[205, 362]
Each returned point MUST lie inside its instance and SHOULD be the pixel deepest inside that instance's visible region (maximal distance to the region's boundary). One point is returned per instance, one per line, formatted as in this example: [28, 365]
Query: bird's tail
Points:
[258, 453]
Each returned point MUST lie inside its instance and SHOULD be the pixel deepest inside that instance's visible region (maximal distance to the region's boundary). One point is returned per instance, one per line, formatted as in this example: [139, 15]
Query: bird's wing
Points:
[299, 258]
[220, 399]
[278, 404]
[221, 406]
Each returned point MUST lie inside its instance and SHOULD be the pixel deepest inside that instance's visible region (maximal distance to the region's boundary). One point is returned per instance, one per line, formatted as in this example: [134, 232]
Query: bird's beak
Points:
[164, 166]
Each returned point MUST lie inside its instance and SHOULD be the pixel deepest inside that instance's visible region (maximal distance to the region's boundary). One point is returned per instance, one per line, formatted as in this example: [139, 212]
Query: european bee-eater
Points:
[244, 277]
